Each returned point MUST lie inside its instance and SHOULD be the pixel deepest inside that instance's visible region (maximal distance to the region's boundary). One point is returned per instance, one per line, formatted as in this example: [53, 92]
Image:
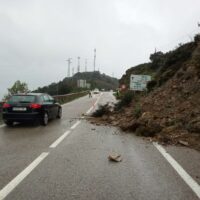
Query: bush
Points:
[137, 111]
[151, 85]
[102, 110]
[125, 101]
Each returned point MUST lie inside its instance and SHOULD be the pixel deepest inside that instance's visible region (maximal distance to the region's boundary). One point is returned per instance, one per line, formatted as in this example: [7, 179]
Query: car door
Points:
[48, 105]
[54, 107]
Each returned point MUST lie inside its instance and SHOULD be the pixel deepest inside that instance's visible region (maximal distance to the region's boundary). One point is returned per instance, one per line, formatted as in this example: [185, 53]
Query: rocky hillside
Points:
[170, 112]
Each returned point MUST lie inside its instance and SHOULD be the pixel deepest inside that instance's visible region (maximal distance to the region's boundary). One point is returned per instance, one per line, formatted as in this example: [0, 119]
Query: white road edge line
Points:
[177, 167]
[20, 177]
[3, 125]
[89, 110]
[94, 104]
[59, 140]
[75, 125]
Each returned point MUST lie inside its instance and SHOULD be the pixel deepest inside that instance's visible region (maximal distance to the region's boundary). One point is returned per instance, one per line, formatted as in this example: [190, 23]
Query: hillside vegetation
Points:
[170, 111]
[68, 85]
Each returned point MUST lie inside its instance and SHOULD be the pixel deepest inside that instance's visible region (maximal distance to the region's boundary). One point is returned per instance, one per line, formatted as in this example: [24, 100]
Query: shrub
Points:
[151, 85]
[137, 111]
[125, 100]
[102, 110]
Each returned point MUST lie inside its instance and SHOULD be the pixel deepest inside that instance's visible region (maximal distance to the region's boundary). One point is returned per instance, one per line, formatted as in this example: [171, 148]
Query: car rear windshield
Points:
[22, 99]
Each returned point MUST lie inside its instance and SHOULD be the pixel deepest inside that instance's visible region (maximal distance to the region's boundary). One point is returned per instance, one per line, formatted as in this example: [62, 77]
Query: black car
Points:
[31, 107]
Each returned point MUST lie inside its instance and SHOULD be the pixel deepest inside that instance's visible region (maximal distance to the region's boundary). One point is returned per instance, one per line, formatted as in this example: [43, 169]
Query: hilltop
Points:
[170, 111]
[69, 84]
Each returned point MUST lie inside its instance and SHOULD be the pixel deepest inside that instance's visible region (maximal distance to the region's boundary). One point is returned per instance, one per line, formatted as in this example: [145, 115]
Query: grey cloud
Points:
[36, 37]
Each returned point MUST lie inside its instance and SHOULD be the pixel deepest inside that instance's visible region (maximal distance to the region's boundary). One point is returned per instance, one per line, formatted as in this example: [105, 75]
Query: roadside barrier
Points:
[69, 97]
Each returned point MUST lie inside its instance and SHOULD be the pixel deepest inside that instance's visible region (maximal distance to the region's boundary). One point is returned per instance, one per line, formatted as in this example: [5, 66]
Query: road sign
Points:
[139, 82]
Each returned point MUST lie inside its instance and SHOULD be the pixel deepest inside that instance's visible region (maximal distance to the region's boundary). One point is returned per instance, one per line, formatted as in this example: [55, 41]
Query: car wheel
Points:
[59, 115]
[45, 119]
[9, 123]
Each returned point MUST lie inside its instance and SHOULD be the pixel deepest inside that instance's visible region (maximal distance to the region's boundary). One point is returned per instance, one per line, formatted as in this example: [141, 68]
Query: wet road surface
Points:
[68, 160]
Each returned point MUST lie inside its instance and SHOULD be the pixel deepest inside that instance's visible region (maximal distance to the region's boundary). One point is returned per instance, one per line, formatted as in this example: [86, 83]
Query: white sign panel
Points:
[139, 82]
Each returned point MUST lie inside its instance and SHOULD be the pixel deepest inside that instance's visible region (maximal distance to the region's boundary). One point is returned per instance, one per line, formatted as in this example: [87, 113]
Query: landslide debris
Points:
[170, 111]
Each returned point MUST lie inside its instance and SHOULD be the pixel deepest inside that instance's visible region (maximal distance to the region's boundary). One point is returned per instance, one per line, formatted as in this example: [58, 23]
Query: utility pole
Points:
[94, 59]
[69, 62]
[78, 67]
[72, 71]
[85, 65]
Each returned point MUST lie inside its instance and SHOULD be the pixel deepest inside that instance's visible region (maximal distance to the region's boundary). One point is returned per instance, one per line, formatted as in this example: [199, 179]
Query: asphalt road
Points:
[68, 160]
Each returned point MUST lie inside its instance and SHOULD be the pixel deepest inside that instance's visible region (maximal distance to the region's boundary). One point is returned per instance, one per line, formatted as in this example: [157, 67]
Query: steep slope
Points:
[170, 112]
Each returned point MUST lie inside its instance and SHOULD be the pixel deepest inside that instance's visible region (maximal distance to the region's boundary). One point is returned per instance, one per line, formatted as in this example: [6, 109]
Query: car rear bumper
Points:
[19, 117]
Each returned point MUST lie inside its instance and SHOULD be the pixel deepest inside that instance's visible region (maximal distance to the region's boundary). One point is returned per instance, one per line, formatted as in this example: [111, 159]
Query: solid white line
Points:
[184, 175]
[3, 125]
[89, 110]
[97, 101]
[20, 177]
[60, 139]
[75, 125]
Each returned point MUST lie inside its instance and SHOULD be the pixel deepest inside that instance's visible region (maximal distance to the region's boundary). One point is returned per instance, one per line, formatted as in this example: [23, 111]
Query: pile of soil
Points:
[170, 114]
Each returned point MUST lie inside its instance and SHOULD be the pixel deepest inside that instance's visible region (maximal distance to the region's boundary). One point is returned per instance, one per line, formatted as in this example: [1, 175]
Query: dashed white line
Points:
[75, 125]
[177, 167]
[60, 139]
[20, 177]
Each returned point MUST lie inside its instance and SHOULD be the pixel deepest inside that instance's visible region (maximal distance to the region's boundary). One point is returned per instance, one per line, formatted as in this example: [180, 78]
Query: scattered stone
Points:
[169, 129]
[184, 143]
[194, 125]
[146, 116]
[115, 157]
[115, 123]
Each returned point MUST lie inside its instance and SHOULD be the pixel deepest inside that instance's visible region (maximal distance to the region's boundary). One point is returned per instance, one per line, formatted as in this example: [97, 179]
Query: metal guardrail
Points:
[69, 97]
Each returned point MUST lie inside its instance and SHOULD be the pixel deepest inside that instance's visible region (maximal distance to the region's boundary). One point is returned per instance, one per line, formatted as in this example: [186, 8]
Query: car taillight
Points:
[6, 105]
[35, 106]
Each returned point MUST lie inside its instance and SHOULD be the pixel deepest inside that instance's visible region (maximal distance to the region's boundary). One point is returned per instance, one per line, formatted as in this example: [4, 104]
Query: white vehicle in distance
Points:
[96, 91]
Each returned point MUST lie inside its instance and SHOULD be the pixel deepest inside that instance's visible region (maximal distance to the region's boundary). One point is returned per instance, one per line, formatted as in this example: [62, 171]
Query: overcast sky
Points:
[37, 36]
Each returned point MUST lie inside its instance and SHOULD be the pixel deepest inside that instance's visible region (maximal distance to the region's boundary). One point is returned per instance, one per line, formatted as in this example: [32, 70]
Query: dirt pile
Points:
[170, 113]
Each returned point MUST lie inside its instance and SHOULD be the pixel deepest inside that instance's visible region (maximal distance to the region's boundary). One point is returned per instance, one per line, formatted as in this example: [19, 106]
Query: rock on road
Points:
[68, 159]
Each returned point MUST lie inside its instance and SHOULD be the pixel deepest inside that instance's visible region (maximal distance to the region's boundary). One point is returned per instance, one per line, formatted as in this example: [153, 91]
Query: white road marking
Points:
[98, 99]
[3, 125]
[94, 104]
[183, 174]
[59, 140]
[20, 177]
[75, 125]
[89, 110]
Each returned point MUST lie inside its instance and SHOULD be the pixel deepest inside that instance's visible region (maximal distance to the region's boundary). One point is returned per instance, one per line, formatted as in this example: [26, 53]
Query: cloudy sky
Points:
[37, 36]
